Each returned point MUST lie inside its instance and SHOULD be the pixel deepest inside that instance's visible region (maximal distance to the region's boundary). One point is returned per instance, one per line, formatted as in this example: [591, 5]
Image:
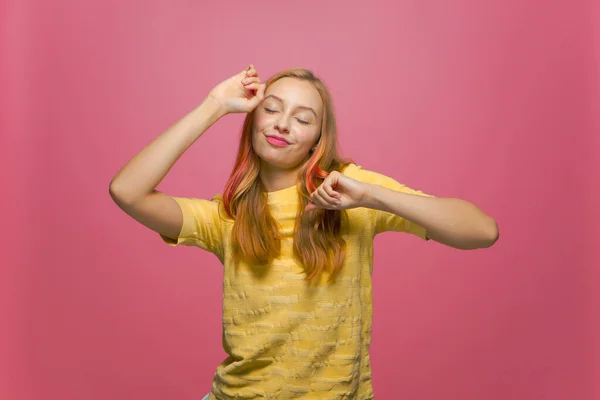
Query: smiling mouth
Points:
[277, 141]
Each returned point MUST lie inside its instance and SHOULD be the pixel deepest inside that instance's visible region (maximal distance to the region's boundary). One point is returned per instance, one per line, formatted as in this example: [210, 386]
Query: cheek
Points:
[260, 121]
[304, 145]
[309, 137]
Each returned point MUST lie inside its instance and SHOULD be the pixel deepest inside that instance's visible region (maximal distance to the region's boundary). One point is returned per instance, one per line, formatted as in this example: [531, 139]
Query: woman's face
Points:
[287, 123]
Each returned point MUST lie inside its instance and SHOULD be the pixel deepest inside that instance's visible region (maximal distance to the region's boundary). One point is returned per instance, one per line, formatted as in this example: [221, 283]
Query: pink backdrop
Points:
[493, 102]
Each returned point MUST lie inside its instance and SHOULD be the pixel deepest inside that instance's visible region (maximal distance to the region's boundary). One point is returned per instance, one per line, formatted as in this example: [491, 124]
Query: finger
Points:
[317, 199]
[330, 191]
[260, 93]
[310, 206]
[243, 73]
[322, 199]
[331, 201]
[248, 80]
[252, 72]
[252, 86]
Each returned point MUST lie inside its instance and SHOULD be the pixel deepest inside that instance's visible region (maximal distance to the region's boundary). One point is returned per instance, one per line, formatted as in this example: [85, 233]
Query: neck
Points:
[274, 179]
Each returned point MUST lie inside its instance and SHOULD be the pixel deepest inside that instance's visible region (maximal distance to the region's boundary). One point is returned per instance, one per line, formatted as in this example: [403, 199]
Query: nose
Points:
[282, 124]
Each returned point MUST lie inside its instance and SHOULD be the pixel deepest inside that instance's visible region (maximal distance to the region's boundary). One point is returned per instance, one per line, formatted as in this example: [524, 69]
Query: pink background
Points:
[494, 102]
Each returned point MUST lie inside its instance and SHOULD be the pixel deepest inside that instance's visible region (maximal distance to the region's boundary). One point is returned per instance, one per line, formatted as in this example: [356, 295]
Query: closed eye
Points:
[269, 111]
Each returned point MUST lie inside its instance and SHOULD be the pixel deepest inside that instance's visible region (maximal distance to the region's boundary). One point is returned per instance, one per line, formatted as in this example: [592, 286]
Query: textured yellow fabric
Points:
[287, 339]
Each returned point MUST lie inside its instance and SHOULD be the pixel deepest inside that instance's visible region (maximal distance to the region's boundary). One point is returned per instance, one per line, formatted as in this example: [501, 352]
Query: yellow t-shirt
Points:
[286, 339]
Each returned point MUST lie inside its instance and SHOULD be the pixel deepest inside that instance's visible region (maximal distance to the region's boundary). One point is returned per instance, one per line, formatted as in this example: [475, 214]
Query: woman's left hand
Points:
[338, 192]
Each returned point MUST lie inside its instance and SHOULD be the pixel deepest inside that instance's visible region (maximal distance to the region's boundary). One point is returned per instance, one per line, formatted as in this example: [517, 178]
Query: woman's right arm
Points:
[133, 187]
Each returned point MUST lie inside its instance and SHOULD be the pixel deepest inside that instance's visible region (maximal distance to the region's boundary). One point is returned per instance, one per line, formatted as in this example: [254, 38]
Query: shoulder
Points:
[203, 209]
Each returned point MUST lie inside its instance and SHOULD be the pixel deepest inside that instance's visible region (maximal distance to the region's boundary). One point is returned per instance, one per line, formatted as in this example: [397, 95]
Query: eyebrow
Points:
[302, 107]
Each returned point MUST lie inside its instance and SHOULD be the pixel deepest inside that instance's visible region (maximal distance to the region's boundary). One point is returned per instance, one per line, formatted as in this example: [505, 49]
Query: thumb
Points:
[309, 207]
[243, 73]
[259, 96]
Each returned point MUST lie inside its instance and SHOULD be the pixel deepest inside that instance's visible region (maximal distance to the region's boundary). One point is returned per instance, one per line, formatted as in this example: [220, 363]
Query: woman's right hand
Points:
[241, 93]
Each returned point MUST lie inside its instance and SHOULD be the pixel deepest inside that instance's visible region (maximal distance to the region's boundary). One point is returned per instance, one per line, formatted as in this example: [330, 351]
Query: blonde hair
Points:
[318, 245]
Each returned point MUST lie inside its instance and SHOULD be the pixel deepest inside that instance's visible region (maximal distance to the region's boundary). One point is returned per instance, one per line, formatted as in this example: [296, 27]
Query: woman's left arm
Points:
[453, 222]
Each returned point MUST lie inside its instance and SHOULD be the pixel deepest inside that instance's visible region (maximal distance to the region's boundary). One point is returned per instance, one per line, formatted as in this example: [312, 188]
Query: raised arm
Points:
[133, 188]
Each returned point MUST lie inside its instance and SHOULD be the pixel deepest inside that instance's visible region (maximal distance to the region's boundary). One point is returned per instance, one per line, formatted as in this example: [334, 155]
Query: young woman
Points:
[294, 230]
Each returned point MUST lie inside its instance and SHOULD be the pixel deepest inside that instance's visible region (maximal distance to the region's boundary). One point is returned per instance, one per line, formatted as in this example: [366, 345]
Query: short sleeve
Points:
[201, 225]
[385, 221]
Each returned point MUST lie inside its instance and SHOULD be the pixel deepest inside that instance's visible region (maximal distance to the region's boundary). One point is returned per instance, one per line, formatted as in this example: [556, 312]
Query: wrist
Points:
[373, 196]
[213, 107]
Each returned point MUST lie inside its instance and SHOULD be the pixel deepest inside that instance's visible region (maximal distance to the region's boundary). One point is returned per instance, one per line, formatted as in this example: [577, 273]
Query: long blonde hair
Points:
[318, 245]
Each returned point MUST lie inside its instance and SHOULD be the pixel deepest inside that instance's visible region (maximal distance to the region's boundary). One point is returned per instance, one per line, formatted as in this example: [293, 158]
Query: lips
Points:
[278, 139]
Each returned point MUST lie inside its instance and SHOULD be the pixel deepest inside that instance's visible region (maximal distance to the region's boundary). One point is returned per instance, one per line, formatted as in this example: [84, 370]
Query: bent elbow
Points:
[113, 190]
[493, 234]
[117, 194]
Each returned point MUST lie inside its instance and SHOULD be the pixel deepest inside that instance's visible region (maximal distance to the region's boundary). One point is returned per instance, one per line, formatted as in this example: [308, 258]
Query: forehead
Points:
[296, 92]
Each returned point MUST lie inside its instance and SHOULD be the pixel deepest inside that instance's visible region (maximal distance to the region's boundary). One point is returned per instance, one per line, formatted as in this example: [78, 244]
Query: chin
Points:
[281, 158]
[280, 161]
